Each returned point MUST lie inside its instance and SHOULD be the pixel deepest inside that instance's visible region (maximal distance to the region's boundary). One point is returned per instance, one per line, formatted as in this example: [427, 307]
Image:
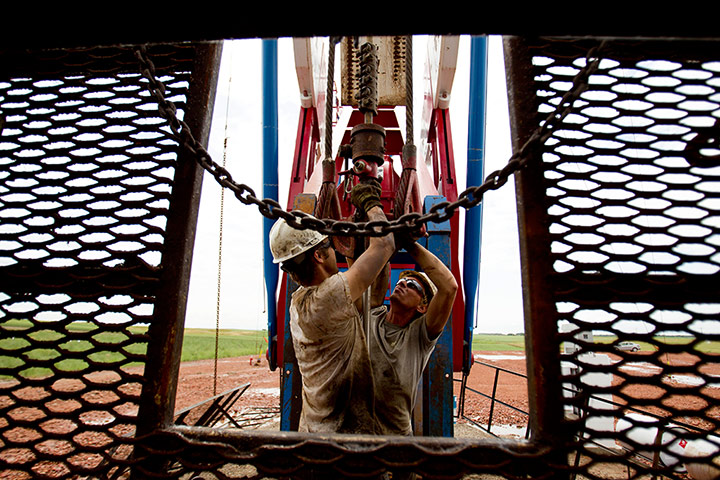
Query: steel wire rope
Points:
[407, 173]
[409, 95]
[329, 97]
[326, 194]
[220, 241]
[440, 212]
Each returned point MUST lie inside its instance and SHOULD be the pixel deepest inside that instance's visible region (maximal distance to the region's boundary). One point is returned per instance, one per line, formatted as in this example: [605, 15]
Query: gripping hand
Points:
[366, 194]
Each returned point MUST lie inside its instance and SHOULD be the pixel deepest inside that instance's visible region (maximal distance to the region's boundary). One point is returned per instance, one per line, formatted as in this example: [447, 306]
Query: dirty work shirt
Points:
[337, 384]
[398, 356]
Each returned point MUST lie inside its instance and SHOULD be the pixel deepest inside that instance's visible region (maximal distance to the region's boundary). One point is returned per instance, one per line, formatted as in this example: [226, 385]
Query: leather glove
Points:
[366, 194]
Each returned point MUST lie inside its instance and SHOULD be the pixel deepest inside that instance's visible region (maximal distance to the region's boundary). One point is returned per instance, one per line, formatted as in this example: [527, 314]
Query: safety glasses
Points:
[414, 284]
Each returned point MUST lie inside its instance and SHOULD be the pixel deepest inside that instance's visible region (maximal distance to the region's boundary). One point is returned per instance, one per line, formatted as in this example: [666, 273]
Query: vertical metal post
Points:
[492, 401]
[270, 182]
[438, 384]
[475, 174]
[541, 332]
[166, 330]
[291, 387]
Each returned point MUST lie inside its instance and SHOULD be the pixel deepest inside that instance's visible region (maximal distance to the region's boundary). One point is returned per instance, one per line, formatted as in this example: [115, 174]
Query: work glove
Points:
[366, 194]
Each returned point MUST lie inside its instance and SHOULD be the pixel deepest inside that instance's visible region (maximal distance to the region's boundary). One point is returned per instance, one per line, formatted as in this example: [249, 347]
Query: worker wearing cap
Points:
[338, 392]
[403, 336]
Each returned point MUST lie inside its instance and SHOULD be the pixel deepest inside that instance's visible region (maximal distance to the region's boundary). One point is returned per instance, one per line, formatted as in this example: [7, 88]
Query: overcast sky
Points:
[238, 116]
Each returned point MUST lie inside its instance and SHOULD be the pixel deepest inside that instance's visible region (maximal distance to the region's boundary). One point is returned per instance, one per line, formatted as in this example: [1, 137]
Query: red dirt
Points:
[196, 379]
[195, 384]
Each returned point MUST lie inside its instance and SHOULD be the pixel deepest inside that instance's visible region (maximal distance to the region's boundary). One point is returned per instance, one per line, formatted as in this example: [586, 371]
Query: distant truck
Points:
[627, 347]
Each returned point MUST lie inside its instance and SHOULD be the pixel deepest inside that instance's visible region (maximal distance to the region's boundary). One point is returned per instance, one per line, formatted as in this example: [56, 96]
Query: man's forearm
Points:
[440, 275]
[441, 305]
[386, 242]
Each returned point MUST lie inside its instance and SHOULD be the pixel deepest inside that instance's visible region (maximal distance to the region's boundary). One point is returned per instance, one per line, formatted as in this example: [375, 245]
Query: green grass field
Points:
[70, 349]
[500, 343]
[199, 344]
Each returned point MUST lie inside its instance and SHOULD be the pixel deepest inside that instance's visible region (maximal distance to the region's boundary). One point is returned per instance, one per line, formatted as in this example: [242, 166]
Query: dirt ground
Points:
[196, 383]
[258, 407]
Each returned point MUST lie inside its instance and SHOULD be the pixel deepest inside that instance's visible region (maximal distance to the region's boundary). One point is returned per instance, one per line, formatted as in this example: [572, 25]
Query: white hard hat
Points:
[287, 242]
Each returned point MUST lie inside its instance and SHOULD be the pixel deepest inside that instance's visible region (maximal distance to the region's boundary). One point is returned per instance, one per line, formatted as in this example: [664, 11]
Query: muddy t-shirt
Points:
[337, 384]
[398, 356]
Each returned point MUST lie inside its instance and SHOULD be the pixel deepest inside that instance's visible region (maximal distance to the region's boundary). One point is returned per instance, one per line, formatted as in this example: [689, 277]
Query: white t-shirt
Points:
[337, 383]
[398, 356]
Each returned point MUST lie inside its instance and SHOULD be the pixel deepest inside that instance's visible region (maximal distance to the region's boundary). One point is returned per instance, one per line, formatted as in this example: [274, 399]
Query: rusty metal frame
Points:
[167, 329]
[542, 346]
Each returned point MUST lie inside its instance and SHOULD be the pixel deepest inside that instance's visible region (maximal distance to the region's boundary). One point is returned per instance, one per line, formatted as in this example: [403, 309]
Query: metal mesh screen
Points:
[88, 172]
[619, 228]
[628, 216]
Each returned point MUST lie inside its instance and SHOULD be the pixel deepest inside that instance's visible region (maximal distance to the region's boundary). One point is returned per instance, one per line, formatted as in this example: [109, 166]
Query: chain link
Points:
[440, 212]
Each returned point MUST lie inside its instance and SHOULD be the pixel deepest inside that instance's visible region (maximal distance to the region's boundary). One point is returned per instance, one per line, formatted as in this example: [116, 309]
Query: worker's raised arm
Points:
[440, 307]
[366, 267]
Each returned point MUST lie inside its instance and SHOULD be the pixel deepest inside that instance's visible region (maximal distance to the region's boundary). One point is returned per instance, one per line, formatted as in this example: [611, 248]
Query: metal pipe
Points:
[475, 173]
[492, 402]
[366, 314]
[270, 180]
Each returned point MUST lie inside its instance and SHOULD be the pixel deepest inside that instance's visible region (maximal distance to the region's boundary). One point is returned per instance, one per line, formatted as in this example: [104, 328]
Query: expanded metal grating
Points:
[621, 243]
[88, 181]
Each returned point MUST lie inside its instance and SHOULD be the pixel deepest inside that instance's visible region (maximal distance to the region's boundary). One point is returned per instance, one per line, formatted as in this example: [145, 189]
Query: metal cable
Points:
[219, 283]
[409, 140]
[220, 247]
[329, 98]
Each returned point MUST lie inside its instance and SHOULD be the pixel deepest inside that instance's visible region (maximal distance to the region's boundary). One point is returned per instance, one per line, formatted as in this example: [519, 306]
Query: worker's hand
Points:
[406, 239]
[402, 240]
[366, 194]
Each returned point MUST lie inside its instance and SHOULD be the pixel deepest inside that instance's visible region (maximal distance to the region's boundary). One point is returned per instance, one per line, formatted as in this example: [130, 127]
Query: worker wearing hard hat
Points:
[328, 337]
[403, 336]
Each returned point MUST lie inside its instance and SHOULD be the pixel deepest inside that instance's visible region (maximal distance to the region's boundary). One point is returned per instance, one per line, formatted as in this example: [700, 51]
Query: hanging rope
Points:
[407, 195]
[409, 95]
[328, 204]
[220, 246]
[329, 97]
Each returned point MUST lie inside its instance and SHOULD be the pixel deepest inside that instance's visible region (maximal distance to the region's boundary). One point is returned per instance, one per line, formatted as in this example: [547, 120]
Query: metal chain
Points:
[440, 212]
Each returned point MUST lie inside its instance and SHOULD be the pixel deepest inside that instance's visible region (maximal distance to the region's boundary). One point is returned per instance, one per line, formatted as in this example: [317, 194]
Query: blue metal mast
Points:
[270, 182]
[475, 173]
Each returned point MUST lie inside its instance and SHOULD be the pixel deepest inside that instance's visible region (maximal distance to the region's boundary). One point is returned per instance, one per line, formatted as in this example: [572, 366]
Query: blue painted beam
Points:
[438, 382]
[475, 174]
[270, 184]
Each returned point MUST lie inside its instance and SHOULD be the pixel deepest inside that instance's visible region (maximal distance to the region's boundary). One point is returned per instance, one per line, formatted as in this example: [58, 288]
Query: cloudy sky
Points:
[238, 118]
